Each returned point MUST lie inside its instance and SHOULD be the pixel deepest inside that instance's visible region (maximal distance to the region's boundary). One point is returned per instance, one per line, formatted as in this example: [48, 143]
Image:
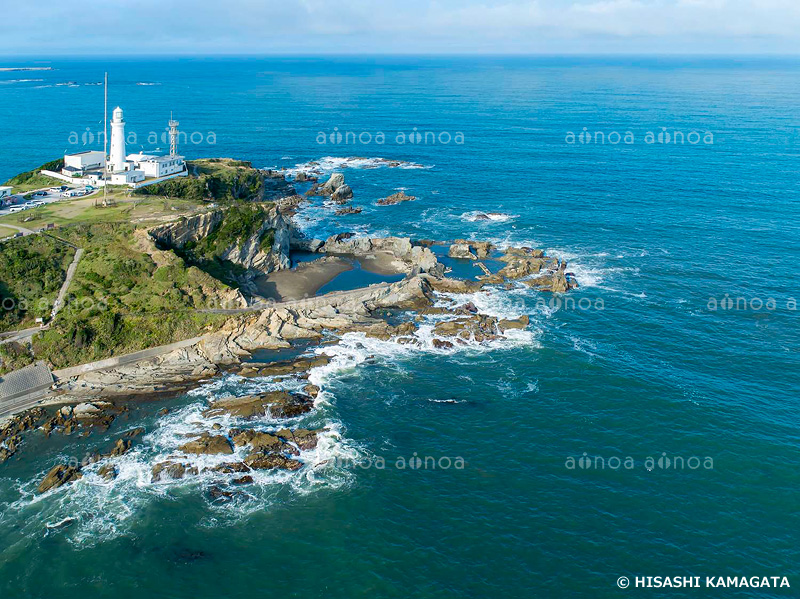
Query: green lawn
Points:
[140, 209]
[6, 231]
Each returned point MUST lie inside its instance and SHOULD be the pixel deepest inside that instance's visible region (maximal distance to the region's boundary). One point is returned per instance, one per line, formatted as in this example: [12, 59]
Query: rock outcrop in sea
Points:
[395, 198]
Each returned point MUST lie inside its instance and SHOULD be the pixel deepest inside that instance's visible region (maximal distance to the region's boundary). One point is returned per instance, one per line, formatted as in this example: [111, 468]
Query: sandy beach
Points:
[304, 280]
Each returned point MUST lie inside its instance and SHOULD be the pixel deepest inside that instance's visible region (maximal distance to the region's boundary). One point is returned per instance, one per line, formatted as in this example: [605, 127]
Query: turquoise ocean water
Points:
[652, 232]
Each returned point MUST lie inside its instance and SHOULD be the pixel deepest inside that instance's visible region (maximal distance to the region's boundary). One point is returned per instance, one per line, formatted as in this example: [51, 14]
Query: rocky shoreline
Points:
[93, 400]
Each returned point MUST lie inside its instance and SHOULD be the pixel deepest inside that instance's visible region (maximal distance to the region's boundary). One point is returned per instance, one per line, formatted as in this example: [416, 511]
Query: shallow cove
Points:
[313, 274]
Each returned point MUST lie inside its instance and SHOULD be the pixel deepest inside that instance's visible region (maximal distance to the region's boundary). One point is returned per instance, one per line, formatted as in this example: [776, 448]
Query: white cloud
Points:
[311, 26]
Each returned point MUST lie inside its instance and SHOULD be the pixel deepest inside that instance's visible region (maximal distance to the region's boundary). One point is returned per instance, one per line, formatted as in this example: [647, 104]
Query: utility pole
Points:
[105, 143]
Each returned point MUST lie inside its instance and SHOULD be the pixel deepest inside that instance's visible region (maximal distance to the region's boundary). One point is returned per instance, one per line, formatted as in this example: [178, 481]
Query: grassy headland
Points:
[126, 295]
[33, 179]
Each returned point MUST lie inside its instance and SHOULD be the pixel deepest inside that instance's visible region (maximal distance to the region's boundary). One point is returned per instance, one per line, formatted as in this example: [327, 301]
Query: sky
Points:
[303, 27]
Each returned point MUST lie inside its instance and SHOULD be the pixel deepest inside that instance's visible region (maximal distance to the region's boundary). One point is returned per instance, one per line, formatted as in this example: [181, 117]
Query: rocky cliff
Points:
[253, 236]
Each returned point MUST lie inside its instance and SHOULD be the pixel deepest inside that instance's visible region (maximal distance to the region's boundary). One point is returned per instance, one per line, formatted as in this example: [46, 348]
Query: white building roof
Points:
[142, 157]
[86, 152]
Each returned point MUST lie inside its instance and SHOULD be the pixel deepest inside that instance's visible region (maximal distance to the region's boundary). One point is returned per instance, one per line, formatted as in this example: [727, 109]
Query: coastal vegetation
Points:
[120, 300]
[213, 179]
[32, 270]
[242, 222]
[33, 179]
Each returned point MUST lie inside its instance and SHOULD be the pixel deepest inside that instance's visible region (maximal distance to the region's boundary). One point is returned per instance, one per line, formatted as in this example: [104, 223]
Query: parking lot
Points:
[46, 196]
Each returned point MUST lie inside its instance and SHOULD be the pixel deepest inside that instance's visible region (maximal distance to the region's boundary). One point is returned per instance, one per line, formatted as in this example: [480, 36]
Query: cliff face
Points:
[181, 232]
[253, 254]
[255, 237]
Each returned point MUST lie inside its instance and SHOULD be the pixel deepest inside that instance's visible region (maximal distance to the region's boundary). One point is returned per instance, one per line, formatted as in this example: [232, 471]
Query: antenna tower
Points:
[173, 136]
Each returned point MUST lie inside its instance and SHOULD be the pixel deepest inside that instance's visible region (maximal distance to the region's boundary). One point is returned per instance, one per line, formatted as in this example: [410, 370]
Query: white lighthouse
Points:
[117, 155]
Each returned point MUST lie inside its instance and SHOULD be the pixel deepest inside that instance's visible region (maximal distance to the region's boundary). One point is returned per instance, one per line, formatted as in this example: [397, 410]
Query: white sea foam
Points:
[92, 509]
[9, 81]
[328, 164]
[487, 217]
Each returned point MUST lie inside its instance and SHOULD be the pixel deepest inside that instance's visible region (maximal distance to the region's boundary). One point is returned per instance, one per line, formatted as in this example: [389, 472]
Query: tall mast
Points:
[105, 141]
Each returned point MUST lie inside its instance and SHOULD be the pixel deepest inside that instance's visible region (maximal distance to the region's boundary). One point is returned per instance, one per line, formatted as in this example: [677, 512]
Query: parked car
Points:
[16, 209]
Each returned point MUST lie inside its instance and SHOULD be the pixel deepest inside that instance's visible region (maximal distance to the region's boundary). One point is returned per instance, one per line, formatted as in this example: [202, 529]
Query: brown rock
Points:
[58, 476]
[442, 344]
[284, 367]
[218, 494]
[478, 327]
[271, 461]
[278, 404]
[493, 279]
[121, 447]
[516, 323]
[108, 471]
[208, 445]
[304, 438]
[555, 282]
[171, 470]
[231, 467]
[395, 198]
[348, 210]
[342, 194]
[446, 285]
[22, 422]
[471, 250]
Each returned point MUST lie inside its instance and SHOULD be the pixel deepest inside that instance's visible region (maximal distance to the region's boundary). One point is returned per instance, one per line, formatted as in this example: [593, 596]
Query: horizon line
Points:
[58, 56]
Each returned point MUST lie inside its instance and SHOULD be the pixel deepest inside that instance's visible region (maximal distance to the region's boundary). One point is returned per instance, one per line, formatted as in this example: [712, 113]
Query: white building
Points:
[157, 166]
[127, 177]
[5, 193]
[81, 162]
[121, 168]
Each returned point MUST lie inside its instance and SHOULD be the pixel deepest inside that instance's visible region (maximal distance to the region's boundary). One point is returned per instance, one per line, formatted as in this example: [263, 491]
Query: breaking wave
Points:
[477, 216]
[332, 163]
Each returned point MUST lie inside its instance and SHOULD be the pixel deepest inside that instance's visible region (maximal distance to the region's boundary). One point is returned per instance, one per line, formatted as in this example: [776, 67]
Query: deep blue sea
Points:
[645, 363]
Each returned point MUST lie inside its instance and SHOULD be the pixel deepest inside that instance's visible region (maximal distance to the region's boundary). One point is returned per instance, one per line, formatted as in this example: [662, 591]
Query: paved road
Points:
[29, 401]
[22, 230]
[65, 285]
[20, 335]
[21, 403]
[12, 405]
[137, 356]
